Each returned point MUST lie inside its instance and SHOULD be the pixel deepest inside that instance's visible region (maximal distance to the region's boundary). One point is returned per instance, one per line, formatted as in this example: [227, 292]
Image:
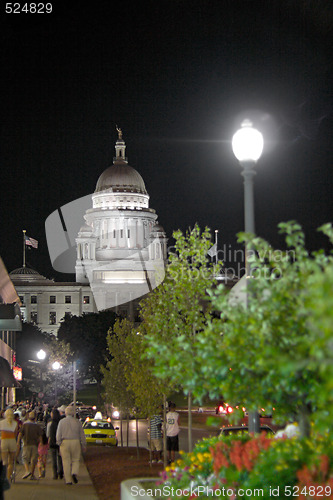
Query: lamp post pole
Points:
[56, 366]
[247, 145]
[41, 355]
[74, 386]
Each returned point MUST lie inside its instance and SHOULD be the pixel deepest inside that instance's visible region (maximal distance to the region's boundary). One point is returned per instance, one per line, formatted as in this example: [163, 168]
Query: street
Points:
[197, 434]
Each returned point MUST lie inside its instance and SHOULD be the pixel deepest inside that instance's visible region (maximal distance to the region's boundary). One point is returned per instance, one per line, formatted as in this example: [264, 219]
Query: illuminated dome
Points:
[120, 177]
[26, 274]
[27, 271]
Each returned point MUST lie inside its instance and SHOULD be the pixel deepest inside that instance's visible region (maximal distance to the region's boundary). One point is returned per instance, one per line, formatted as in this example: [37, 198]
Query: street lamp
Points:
[247, 145]
[41, 355]
[56, 366]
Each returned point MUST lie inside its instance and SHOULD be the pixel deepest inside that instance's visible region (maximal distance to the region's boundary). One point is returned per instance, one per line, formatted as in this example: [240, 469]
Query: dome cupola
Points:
[120, 177]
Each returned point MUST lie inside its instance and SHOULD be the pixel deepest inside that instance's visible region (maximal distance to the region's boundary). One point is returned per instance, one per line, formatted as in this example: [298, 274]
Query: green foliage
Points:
[86, 336]
[116, 390]
[271, 352]
[128, 382]
[176, 310]
[58, 350]
[148, 390]
[28, 342]
[262, 464]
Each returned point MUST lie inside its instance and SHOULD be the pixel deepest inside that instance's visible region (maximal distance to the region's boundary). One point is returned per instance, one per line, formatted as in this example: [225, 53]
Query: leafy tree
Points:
[178, 309]
[29, 341]
[39, 376]
[148, 390]
[268, 353]
[115, 385]
[87, 336]
[116, 389]
[319, 304]
[58, 350]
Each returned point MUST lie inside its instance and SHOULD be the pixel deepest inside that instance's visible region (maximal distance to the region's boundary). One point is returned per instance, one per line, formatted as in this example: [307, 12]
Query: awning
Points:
[7, 378]
[10, 317]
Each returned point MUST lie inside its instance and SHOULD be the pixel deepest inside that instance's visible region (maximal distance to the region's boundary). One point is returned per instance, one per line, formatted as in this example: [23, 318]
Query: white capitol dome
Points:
[121, 245]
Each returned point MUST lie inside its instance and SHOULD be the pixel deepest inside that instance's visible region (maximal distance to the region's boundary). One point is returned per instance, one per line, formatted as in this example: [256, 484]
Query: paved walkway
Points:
[51, 489]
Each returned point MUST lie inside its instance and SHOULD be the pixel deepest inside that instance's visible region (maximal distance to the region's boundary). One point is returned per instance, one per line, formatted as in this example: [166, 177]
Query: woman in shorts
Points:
[8, 429]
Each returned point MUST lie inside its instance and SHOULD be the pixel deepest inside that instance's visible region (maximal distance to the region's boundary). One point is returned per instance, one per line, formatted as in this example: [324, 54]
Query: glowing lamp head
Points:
[41, 354]
[56, 365]
[247, 143]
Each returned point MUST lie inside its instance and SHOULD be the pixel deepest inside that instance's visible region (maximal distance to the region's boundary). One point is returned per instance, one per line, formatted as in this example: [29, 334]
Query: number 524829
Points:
[28, 8]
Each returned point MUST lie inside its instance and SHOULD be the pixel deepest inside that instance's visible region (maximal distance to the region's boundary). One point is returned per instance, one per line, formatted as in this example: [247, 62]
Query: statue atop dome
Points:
[120, 133]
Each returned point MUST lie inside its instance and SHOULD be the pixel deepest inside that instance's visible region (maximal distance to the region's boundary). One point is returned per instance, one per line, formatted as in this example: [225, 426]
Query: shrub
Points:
[248, 467]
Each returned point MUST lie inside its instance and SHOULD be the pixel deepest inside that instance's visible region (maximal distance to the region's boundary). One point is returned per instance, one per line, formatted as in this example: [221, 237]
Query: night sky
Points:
[178, 77]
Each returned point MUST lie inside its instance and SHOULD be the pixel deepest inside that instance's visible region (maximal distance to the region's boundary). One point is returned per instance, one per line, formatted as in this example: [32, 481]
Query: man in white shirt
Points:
[172, 431]
[70, 438]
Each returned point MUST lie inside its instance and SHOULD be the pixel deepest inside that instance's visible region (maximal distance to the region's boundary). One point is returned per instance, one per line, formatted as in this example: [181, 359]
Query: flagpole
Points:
[24, 231]
[216, 232]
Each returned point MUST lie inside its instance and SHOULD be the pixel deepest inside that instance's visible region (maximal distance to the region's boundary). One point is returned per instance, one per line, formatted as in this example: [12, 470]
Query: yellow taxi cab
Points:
[100, 431]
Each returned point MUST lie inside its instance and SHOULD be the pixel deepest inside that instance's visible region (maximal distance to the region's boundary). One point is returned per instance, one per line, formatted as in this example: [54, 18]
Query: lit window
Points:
[53, 318]
[68, 299]
[52, 299]
[86, 299]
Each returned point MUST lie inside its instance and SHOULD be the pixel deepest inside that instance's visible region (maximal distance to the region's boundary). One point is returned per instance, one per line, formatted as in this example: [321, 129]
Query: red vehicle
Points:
[223, 408]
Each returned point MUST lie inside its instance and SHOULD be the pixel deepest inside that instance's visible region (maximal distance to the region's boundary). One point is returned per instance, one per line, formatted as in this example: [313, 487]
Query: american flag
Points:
[31, 242]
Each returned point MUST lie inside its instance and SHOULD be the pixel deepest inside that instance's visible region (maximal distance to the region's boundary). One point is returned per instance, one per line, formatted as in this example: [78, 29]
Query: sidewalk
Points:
[51, 489]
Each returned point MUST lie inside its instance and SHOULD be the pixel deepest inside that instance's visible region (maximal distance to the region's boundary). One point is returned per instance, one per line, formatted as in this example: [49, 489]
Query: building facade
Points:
[121, 248]
[46, 302]
[10, 323]
[121, 253]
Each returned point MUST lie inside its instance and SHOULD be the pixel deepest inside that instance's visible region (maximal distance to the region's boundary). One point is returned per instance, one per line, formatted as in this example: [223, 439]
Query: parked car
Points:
[100, 431]
[243, 429]
[85, 413]
[223, 408]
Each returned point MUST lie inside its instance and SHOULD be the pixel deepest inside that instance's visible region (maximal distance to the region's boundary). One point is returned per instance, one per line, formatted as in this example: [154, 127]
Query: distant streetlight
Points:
[248, 145]
[56, 366]
[41, 355]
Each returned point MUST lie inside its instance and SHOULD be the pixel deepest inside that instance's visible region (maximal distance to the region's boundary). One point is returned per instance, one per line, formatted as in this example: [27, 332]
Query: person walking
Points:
[30, 434]
[43, 449]
[156, 442]
[9, 430]
[172, 431]
[71, 439]
[51, 432]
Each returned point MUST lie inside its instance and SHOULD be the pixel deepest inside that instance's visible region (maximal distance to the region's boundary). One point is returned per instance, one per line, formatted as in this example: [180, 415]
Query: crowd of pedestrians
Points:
[30, 433]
